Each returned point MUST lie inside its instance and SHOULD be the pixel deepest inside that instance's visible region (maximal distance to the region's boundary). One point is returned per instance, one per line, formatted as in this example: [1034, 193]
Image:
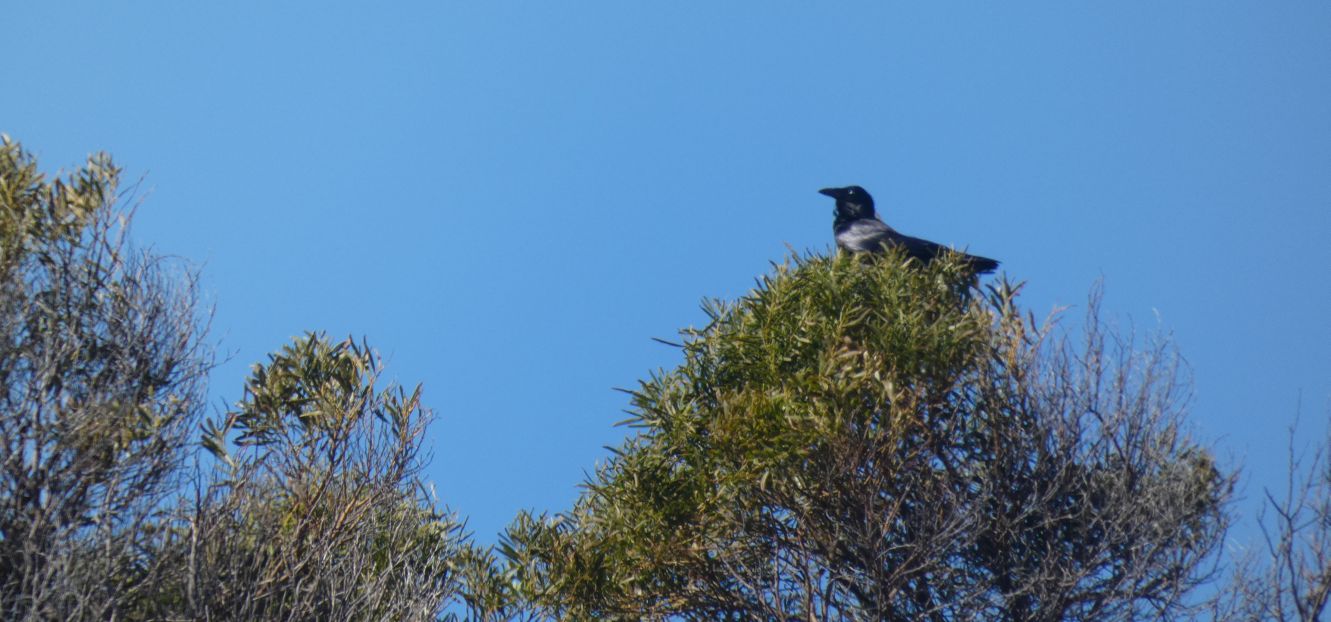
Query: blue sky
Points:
[509, 199]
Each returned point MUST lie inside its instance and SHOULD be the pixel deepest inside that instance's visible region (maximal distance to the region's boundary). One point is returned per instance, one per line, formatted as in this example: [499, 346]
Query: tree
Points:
[305, 502]
[315, 510]
[1290, 581]
[102, 369]
[867, 440]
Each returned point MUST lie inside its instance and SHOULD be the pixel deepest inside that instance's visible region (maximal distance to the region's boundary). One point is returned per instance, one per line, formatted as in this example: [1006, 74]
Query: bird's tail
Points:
[982, 265]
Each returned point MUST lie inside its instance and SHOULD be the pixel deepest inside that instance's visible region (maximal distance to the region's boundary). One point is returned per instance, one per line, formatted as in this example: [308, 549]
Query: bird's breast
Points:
[864, 235]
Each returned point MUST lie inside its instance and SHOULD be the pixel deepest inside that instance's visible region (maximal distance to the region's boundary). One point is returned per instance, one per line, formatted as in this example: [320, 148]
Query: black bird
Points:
[859, 230]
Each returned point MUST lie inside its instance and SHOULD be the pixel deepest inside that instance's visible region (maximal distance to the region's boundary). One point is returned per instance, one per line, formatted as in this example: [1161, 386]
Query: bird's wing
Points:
[920, 248]
[925, 251]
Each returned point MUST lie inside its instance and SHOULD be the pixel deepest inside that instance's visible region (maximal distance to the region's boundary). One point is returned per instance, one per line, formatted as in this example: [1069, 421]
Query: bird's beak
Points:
[831, 192]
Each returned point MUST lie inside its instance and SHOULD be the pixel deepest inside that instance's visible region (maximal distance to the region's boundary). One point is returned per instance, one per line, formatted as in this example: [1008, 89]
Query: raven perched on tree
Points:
[859, 230]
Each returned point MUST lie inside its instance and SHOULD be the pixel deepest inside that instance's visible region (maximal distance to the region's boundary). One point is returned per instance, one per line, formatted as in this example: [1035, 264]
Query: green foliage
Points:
[313, 391]
[35, 214]
[818, 349]
[864, 440]
[317, 512]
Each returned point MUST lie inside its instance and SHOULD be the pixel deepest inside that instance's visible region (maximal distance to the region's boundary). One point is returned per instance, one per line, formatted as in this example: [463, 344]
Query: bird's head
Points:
[852, 202]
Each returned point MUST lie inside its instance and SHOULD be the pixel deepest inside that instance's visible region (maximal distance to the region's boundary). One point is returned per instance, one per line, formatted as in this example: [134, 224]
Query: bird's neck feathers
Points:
[847, 212]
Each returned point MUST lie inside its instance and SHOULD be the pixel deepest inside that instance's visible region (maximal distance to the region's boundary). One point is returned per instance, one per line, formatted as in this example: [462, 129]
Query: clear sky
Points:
[509, 199]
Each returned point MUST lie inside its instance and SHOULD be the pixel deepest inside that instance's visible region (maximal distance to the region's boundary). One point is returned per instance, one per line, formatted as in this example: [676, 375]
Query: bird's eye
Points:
[851, 191]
